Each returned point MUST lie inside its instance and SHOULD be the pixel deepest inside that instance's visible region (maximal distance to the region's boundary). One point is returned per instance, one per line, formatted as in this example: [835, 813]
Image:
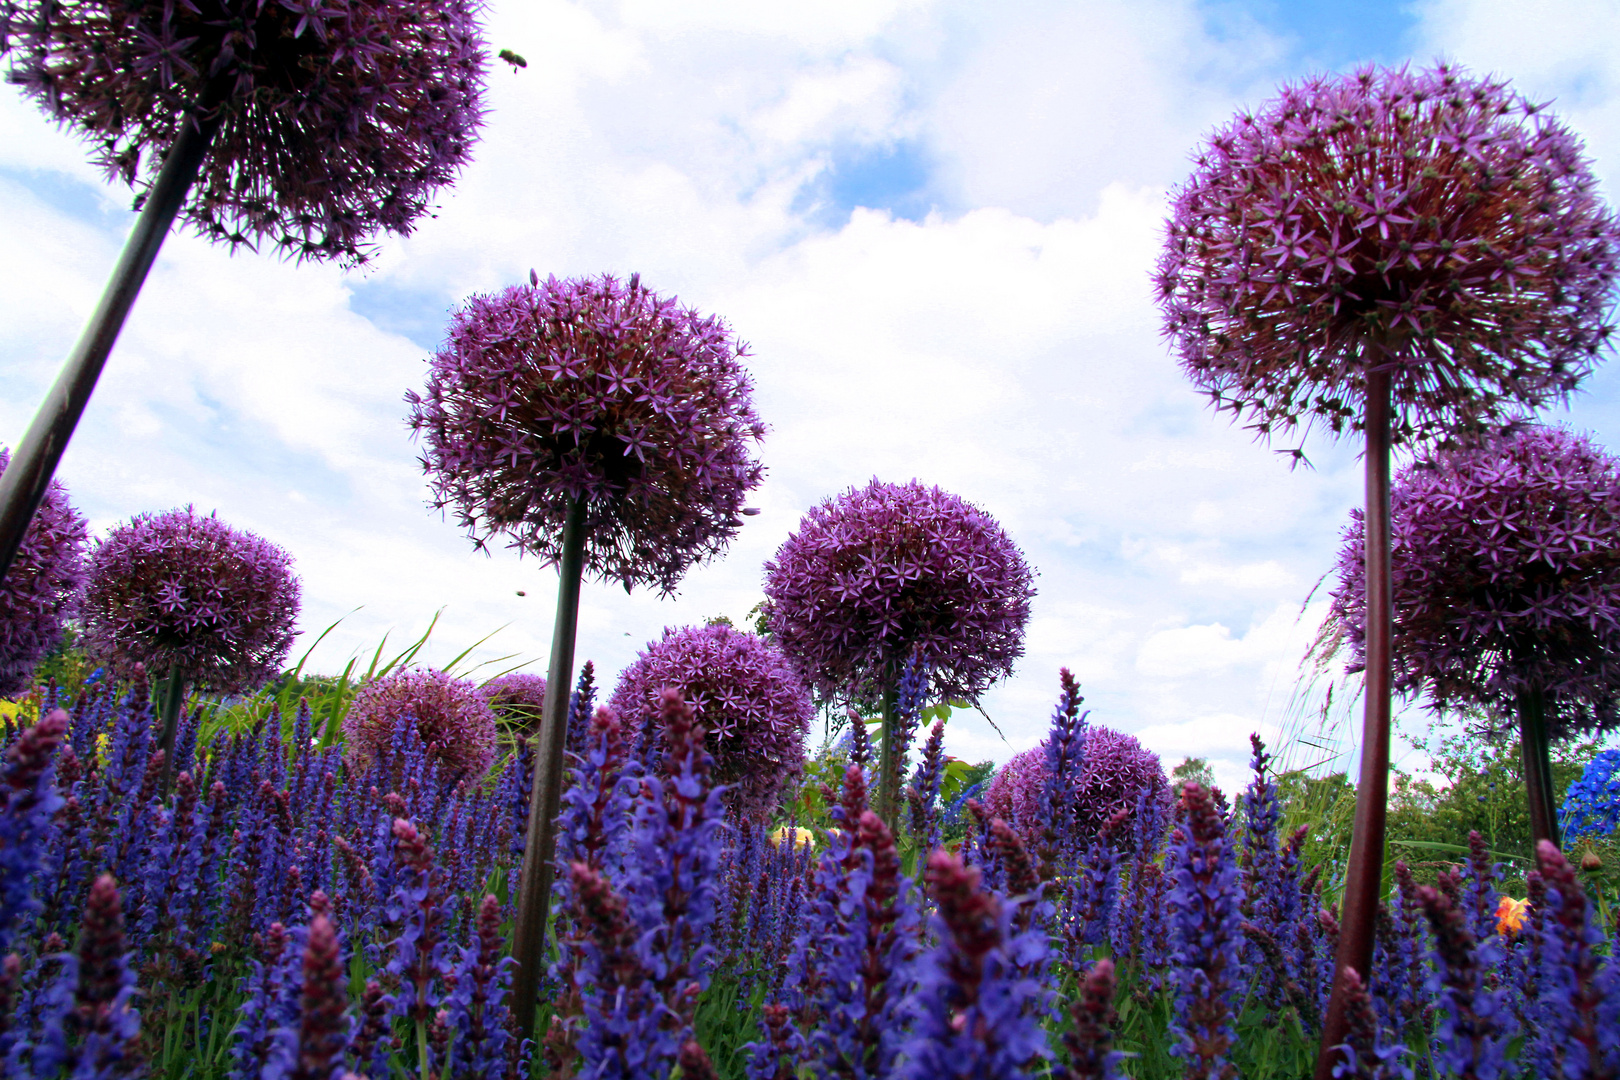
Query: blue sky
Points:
[933, 220]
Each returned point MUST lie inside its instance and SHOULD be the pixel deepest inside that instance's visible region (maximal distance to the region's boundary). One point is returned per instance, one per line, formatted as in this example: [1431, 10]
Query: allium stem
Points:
[888, 806]
[1538, 782]
[173, 694]
[534, 897]
[23, 484]
[1366, 866]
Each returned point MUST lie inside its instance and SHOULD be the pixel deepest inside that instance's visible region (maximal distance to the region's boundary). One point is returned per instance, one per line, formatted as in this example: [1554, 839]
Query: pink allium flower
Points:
[1506, 576]
[517, 697]
[549, 391]
[875, 573]
[744, 692]
[180, 590]
[452, 718]
[1114, 769]
[43, 587]
[1431, 224]
[339, 119]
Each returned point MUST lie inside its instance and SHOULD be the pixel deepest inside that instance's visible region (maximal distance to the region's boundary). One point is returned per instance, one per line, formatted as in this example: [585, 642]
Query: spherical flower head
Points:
[452, 718]
[745, 694]
[41, 591]
[874, 574]
[338, 119]
[1432, 225]
[181, 591]
[518, 698]
[591, 387]
[1505, 567]
[1115, 768]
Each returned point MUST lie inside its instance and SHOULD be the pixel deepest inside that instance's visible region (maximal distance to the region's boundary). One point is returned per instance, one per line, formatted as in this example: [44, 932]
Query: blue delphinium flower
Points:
[977, 1016]
[1204, 909]
[1592, 806]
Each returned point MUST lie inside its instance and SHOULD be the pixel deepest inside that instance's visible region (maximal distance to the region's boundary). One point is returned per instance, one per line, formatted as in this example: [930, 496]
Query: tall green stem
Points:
[889, 765]
[1538, 782]
[174, 695]
[540, 846]
[1365, 873]
[28, 477]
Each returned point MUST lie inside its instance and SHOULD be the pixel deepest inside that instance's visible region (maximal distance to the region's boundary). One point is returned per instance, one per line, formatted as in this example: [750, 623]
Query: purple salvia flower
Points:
[1573, 1034]
[337, 121]
[1482, 892]
[418, 908]
[1405, 971]
[1366, 1054]
[96, 1034]
[1092, 895]
[1475, 1026]
[595, 388]
[180, 592]
[923, 792]
[876, 575]
[1063, 756]
[1204, 907]
[323, 1028]
[264, 1004]
[42, 589]
[1089, 1042]
[621, 1009]
[753, 705]
[477, 1005]
[976, 1015]
[28, 785]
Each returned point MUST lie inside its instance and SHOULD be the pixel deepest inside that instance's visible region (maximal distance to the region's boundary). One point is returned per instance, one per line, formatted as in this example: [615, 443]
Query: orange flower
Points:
[1510, 915]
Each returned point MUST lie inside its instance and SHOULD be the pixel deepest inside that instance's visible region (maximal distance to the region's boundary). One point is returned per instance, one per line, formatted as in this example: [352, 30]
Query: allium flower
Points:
[452, 718]
[41, 590]
[517, 697]
[548, 392]
[1115, 768]
[1506, 573]
[335, 120]
[187, 594]
[1432, 225]
[746, 695]
[873, 575]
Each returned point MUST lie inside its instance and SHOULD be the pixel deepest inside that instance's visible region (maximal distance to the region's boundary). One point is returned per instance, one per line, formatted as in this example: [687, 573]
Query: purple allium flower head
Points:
[744, 692]
[1115, 768]
[877, 575]
[42, 589]
[518, 698]
[452, 718]
[1431, 224]
[1506, 577]
[338, 120]
[591, 387]
[180, 590]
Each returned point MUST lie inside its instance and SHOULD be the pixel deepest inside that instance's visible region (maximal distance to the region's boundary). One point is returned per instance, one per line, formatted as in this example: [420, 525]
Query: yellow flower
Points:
[103, 741]
[1510, 915]
[799, 837]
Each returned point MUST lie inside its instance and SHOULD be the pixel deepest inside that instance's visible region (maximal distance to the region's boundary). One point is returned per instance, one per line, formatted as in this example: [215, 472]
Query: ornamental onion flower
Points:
[1506, 578]
[187, 596]
[305, 127]
[518, 698]
[1115, 770]
[889, 572]
[42, 590]
[1409, 254]
[450, 715]
[601, 427]
[745, 693]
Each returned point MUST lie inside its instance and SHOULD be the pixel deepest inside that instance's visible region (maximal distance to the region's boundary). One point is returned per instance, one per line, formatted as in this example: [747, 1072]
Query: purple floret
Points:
[744, 692]
[339, 119]
[1506, 576]
[591, 387]
[453, 719]
[877, 575]
[42, 589]
[1114, 770]
[183, 591]
[1430, 224]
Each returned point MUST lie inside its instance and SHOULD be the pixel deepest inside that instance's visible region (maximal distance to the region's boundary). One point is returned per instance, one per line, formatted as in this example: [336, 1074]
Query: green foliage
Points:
[1194, 770]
